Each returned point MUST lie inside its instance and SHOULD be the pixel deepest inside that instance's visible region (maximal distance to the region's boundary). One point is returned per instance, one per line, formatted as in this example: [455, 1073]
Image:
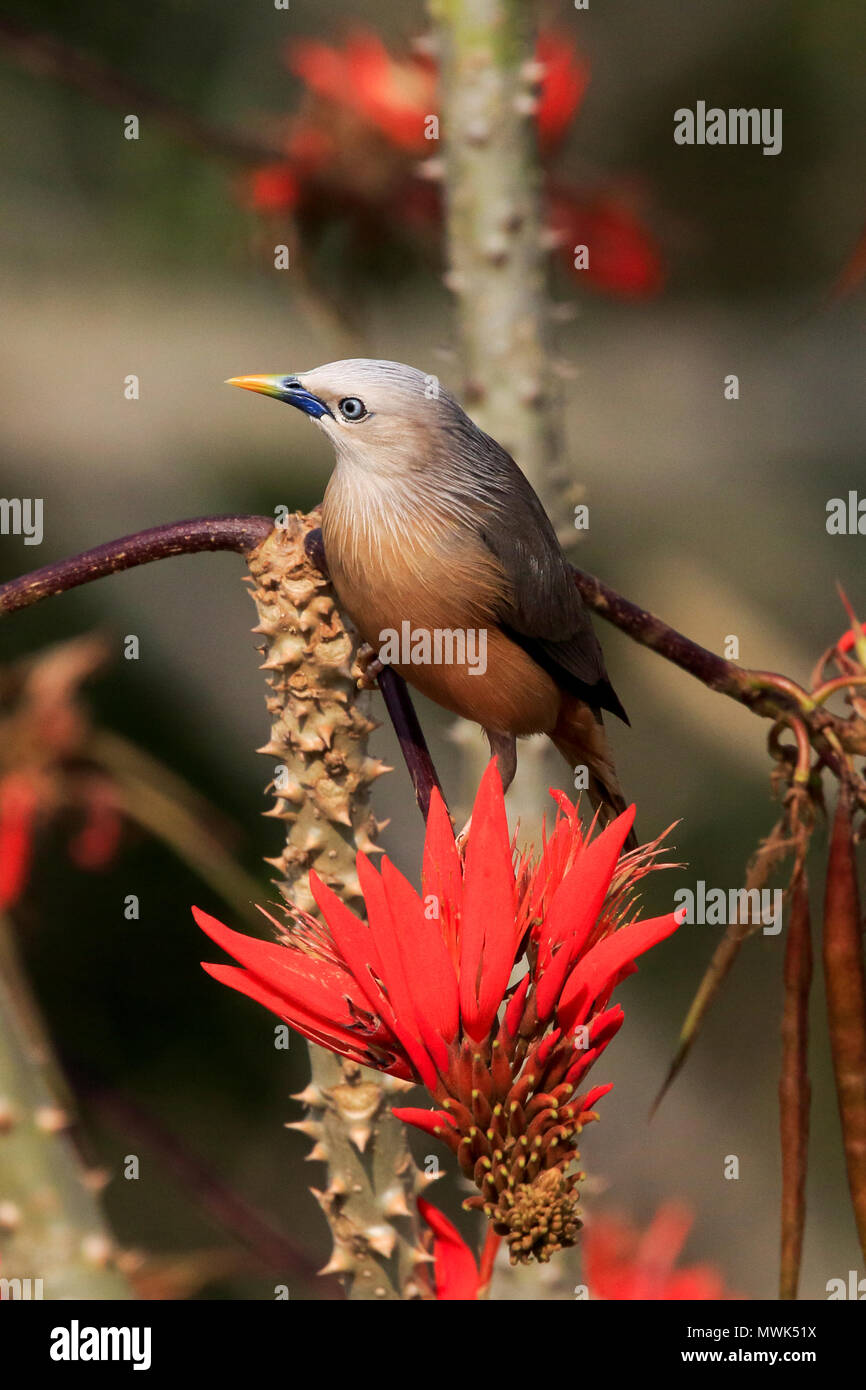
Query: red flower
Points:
[419, 991]
[394, 95]
[623, 257]
[563, 84]
[19, 801]
[621, 1263]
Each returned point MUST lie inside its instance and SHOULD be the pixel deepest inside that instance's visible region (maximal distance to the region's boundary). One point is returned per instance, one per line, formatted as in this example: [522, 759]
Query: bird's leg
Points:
[367, 667]
[504, 748]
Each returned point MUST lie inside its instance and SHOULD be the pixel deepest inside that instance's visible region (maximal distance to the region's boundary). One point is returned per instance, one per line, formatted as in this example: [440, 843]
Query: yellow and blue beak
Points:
[283, 388]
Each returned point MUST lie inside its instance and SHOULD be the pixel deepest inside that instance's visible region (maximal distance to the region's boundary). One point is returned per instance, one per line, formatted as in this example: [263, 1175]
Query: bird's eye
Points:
[351, 408]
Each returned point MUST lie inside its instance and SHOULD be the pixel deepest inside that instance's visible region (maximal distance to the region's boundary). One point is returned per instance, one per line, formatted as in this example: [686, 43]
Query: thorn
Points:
[313, 1129]
[311, 1095]
[51, 1119]
[394, 1201]
[96, 1179]
[360, 1135]
[10, 1216]
[382, 1239]
[97, 1250]
[342, 1261]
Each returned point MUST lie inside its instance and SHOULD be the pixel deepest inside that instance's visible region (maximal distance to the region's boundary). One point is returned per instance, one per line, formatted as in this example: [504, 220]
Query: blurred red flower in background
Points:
[19, 801]
[623, 256]
[564, 80]
[47, 772]
[621, 1262]
[393, 95]
[358, 147]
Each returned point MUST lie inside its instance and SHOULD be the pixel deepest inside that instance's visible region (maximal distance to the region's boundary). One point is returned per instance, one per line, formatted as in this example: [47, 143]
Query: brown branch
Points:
[710, 669]
[794, 1087]
[45, 56]
[239, 533]
[765, 693]
[845, 986]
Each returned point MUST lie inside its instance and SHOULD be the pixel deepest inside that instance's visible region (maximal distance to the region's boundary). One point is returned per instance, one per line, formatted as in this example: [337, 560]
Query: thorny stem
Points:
[497, 269]
[52, 1223]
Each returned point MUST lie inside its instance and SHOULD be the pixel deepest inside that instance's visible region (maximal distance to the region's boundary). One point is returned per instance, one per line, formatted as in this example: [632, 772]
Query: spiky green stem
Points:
[498, 270]
[51, 1225]
[322, 776]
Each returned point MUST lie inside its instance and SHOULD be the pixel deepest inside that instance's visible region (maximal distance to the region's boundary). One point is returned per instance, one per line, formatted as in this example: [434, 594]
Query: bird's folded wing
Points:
[542, 609]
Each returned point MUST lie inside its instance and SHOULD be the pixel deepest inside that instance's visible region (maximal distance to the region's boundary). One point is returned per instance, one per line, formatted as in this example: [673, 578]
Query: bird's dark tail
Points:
[579, 736]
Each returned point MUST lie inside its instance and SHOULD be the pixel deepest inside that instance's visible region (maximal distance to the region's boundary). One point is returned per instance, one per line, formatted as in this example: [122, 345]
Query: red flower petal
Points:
[514, 1009]
[19, 801]
[356, 946]
[603, 1028]
[624, 259]
[317, 987]
[487, 928]
[565, 80]
[593, 976]
[394, 974]
[392, 95]
[442, 871]
[427, 1120]
[432, 978]
[591, 1099]
[360, 1047]
[575, 906]
[455, 1271]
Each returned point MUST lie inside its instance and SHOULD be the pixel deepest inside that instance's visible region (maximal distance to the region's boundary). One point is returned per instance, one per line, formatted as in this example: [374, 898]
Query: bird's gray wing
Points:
[543, 612]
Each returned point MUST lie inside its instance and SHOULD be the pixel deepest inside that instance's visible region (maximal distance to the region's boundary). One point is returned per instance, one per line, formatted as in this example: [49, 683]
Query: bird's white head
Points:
[381, 416]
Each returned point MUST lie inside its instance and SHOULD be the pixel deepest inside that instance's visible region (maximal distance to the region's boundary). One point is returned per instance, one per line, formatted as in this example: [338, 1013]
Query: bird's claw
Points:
[367, 667]
[462, 837]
